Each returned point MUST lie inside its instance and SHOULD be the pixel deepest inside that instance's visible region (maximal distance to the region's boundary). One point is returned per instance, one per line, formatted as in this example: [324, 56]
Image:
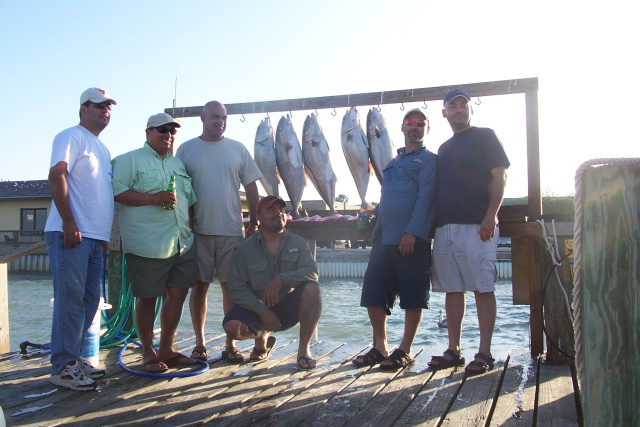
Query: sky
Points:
[146, 53]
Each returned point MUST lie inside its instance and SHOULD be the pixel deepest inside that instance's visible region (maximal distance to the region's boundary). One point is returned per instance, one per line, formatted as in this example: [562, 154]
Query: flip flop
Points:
[396, 360]
[200, 353]
[254, 356]
[161, 366]
[233, 355]
[373, 357]
[179, 360]
[441, 362]
[310, 361]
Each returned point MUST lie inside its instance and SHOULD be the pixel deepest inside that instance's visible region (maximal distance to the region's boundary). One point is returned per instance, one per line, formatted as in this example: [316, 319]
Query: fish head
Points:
[264, 134]
[312, 131]
[350, 120]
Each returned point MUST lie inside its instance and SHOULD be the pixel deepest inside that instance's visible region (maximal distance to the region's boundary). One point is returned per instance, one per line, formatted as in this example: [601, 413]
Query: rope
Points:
[578, 202]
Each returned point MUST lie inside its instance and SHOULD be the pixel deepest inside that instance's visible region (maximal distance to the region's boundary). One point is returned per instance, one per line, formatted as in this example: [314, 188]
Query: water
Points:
[342, 317]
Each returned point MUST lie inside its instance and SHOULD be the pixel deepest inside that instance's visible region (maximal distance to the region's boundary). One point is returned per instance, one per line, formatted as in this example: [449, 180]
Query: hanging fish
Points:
[315, 154]
[264, 154]
[380, 144]
[356, 151]
[289, 161]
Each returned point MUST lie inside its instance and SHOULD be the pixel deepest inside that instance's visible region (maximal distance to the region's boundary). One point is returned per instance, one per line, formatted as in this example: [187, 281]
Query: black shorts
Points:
[286, 309]
[390, 275]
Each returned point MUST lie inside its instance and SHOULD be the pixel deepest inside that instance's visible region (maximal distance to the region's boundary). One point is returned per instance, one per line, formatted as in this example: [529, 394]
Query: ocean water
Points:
[342, 317]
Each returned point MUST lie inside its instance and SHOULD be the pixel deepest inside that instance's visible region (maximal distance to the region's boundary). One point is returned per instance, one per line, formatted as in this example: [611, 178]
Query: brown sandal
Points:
[233, 355]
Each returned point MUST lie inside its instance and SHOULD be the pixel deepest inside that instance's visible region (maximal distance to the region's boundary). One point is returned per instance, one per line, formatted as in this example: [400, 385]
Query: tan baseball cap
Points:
[161, 119]
[96, 95]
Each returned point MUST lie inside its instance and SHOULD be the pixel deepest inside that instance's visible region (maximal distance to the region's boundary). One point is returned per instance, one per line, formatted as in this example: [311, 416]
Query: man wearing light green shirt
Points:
[156, 237]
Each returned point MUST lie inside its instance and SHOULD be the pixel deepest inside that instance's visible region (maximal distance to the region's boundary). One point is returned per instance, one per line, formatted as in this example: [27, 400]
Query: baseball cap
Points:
[415, 110]
[268, 201]
[96, 95]
[161, 119]
[453, 94]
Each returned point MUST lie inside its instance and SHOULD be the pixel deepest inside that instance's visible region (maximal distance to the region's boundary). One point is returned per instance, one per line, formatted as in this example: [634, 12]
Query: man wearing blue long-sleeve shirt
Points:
[400, 260]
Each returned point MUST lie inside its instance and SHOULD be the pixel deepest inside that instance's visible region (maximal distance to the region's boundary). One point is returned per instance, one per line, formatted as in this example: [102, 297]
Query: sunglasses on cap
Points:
[163, 129]
[419, 123]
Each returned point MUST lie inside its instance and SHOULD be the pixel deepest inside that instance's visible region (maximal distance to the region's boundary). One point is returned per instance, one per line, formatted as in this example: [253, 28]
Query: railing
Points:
[16, 238]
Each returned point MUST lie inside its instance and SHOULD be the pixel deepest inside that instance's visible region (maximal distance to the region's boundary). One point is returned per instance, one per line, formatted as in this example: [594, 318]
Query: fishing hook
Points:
[425, 105]
[402, 107]
[290, 114]
[242, 119]
[478, 102]
[335, 113]
[379, 109]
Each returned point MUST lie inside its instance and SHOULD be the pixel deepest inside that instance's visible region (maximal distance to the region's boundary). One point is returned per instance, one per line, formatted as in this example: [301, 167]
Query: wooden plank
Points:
[352, 399]
[534, 192]
[429, 408]
[303, 405]
[520, 277]
[517, 393]
[389, 405]
[4, 310]
[502, 87]
[22, 251]
[610, 295]
[556, 402]
[274, 397]
[473, 403]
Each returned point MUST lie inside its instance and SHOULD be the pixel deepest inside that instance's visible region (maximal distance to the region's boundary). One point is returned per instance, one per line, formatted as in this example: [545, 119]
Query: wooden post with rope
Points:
[607, 290]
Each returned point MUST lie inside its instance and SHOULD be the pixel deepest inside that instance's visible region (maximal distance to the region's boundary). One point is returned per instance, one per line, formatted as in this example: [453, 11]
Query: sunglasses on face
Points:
[102, 105]
[163, 129]
[419, 123]
[275, 209]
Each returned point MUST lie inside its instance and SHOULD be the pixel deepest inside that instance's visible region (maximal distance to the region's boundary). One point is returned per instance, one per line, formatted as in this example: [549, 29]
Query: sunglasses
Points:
[419, 123]
[102, 106]
[163, 129]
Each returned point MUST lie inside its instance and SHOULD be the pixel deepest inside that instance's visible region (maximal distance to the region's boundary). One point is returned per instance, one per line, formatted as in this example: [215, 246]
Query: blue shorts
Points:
[286, 309]
[390, 275]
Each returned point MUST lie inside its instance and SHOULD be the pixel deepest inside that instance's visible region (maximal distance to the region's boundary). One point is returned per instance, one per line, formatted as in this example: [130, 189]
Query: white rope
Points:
[577, 237]
[554, 251]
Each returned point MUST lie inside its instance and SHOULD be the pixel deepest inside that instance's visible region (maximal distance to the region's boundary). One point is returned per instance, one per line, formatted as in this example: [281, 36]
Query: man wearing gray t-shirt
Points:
[218, 166]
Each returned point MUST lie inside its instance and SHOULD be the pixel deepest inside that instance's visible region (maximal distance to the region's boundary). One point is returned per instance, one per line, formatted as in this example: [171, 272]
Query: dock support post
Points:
[4, 309]
[608, 294]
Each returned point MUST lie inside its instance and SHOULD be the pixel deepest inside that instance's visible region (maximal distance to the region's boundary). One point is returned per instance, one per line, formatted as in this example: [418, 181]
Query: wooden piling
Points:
[609, 289]
[4, 309]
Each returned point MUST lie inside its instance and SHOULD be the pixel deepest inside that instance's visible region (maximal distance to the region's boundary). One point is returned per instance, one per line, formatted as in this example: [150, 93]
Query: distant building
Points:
[24, 205]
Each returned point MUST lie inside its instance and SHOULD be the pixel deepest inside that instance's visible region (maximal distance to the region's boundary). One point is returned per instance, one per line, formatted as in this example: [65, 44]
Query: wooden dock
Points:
[518, 392]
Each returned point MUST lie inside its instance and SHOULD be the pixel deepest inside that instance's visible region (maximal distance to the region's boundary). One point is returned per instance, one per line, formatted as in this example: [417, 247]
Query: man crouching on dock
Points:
[273, 283]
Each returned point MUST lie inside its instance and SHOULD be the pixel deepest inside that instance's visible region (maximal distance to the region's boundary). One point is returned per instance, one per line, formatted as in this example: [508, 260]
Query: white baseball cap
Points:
[161, 119]
[96, 95]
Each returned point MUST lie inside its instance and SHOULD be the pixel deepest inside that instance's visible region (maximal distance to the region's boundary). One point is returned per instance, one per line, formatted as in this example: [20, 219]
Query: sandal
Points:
[200, 353]
[396, 360]
[373, 357]
[233, 355]
[441, 362]
[480, 366]
[310, 362]
[155, 366]
[259, 355]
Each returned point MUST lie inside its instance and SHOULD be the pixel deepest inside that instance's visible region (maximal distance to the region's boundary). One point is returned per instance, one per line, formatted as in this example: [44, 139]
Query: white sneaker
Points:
[73, 377]
[90, 371]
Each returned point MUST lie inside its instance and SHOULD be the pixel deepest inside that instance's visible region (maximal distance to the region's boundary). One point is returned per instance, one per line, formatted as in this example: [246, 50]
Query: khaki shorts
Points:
[149, 276]
[462, 261]
[214, 256]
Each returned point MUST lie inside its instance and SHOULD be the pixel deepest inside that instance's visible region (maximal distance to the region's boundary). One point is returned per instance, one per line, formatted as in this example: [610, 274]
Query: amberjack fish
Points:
[380, 144]
[315, 154]
[264, 154]
[356, 151]
[289, 161]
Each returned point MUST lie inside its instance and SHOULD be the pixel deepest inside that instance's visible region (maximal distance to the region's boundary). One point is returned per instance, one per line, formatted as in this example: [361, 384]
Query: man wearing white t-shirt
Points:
[77, 232]
[217, 166]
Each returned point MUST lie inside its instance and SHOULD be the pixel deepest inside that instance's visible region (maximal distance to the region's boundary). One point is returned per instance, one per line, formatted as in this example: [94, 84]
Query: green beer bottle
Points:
[171, 187]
